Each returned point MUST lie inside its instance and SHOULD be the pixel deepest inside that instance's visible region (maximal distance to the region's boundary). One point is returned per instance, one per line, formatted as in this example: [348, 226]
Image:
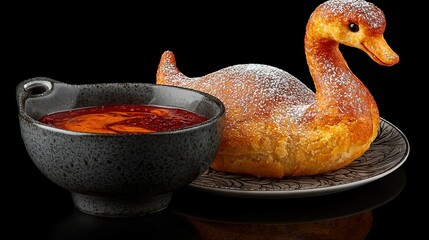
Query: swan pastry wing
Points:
[278, 127]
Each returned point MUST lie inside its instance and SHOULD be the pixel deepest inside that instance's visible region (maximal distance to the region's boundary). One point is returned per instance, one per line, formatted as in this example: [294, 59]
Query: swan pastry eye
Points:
[353, 27]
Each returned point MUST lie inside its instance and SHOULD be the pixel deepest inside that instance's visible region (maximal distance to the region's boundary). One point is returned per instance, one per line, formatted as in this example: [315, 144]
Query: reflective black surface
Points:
[84, 44]
[189, 216]
[376, 211]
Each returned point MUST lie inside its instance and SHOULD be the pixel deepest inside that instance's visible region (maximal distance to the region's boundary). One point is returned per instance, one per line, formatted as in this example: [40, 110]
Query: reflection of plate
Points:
[388, 152]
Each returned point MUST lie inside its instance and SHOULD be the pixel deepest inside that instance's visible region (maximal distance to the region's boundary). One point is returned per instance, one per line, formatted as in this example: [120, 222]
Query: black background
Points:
[123, 43]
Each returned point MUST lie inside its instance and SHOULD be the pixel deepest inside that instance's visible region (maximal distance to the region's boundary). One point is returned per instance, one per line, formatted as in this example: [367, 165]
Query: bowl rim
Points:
[22, 96]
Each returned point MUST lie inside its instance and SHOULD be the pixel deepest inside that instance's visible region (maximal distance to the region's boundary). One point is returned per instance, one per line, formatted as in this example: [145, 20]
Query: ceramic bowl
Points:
[118, 174]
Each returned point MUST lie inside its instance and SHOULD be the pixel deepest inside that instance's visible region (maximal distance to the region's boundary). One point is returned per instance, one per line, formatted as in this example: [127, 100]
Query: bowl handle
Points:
[33, 87]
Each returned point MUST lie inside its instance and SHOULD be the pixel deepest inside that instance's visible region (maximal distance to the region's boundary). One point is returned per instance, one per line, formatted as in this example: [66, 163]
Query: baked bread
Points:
[278, 127]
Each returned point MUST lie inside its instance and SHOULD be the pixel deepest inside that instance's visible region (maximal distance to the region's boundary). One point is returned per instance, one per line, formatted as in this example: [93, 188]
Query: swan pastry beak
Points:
[379, 51]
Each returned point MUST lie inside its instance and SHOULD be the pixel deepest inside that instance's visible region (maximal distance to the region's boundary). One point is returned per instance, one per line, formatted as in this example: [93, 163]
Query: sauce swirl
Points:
[118, 119]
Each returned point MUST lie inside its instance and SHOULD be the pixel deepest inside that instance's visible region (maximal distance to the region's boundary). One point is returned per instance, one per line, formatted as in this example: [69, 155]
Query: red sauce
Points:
[123, 119]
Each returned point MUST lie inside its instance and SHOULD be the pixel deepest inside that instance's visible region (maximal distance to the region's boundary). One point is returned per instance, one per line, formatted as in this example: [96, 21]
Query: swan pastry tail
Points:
[167, 70]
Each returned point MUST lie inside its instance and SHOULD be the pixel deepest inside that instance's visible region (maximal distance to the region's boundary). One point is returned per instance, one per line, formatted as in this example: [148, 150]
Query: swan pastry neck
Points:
[327, 67]
[354, 23]
[336, 85]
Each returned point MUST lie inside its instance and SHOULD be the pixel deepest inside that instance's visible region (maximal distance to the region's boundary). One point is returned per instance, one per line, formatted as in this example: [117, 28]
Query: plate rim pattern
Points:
[388, 152]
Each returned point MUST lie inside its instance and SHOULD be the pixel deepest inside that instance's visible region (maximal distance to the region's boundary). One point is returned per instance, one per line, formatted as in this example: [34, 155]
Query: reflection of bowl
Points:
[118, 174]
[344, 215]
[159, 225]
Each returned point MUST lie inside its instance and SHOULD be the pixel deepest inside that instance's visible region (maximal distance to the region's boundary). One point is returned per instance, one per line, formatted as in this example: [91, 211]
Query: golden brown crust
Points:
[266, 143]
[275, 125]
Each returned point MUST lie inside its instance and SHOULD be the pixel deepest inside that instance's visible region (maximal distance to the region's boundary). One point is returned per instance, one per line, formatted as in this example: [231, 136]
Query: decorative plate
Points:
[388, 152]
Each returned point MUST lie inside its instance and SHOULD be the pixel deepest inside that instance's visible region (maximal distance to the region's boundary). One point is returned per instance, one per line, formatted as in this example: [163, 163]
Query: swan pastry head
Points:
[355, 23]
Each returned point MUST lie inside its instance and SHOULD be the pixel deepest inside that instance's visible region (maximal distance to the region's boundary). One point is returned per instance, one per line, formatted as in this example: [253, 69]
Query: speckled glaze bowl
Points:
[118, 174]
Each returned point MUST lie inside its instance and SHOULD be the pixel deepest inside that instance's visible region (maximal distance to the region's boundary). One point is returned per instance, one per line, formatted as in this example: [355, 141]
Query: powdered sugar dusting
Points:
[342, 88]
[353, 9]
[255, 90]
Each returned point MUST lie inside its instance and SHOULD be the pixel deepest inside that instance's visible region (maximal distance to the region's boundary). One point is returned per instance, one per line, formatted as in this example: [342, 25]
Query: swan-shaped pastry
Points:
[275, 125]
